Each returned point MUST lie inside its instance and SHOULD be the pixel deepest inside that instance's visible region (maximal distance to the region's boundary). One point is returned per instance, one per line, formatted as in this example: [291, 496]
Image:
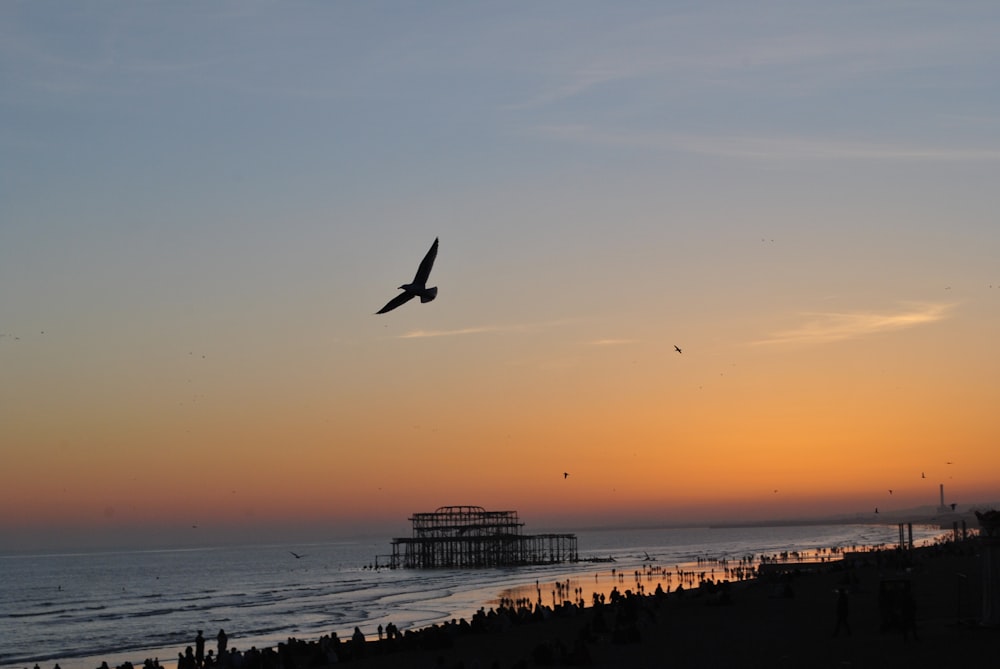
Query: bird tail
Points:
[429, 294]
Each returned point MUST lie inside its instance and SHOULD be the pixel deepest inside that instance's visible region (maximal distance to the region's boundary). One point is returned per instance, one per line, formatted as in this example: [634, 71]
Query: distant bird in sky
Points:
[417, 287]
[890, 491]
[678, 348]
[297, 556]
[565, 475]
[923, 475]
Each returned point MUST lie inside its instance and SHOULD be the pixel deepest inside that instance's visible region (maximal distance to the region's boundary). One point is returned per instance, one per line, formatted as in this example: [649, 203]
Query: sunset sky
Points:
[202, 205]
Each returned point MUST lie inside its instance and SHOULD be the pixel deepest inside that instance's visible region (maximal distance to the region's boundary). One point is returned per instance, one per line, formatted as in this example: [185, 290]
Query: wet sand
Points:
[780, 620]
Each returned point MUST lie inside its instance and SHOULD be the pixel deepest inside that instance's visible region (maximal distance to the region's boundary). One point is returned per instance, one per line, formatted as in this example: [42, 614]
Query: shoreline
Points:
[942, 520]
[560, 598]
[785, 619]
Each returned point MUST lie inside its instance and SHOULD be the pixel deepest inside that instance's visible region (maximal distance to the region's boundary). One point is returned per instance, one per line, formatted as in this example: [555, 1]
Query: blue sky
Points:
[766, 184]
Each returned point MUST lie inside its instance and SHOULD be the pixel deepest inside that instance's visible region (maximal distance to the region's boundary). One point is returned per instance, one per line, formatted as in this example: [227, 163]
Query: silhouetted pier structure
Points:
[463, 537]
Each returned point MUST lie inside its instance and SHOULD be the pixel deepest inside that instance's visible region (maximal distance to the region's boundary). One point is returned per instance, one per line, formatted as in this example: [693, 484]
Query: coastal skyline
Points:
[202, 207]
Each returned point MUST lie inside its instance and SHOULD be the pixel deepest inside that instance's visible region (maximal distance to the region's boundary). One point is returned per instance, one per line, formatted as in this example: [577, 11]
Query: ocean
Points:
[79, 609]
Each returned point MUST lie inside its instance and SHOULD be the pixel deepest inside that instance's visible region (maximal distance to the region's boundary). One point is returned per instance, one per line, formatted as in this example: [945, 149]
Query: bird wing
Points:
[424, 271]
[402, 298]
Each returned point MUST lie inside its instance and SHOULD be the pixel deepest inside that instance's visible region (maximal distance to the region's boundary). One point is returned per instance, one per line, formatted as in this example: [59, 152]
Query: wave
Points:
[36, 614]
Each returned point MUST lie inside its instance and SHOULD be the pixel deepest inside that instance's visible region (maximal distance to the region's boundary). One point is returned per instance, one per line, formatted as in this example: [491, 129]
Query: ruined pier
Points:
[466, 537]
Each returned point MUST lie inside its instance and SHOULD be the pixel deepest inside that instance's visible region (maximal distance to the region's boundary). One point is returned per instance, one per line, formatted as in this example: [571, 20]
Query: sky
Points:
[203, 205]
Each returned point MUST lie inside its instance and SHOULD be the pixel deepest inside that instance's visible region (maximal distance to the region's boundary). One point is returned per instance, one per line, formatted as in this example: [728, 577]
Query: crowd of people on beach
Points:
[615, 617]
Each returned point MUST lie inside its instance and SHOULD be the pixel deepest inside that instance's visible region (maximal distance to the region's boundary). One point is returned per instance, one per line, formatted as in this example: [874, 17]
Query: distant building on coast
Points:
[942, 507]
[464, 537]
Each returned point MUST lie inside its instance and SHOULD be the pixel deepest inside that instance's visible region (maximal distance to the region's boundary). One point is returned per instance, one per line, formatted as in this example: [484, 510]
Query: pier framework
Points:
[462, 537]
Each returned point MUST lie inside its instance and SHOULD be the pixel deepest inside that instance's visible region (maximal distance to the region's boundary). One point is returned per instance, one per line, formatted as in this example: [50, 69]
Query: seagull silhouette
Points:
[417, 287]
[297, 556]
[678, 348]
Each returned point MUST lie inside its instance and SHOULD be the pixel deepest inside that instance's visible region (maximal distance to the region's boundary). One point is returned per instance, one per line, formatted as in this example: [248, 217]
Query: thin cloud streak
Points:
[611, 342]
[578, 83]
[483, 329]
[775, 58]
[807, 148]
[420, 334]
[766, 148]
[824, 328]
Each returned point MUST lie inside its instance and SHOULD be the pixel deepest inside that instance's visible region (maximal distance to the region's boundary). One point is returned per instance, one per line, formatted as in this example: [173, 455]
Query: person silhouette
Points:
[199, 650]
[842, 613]
[223, 643]
[357, 643]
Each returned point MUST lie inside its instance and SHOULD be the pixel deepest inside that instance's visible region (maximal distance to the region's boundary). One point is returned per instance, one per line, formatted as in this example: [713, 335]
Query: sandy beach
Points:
[781, 620]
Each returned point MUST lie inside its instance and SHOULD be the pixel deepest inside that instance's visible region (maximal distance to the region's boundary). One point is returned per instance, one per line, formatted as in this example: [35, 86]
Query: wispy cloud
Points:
[611, 342]
[666, 52]
[767, 147]
[419, 334]
[575, 84]
[481, 329]
[823, 328]
[812, 148]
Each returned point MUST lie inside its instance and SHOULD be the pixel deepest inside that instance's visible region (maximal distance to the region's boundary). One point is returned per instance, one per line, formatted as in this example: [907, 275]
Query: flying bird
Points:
[678, 348]
[417, 287]
[297, 556]
[565, 475]
[923, 475]
[890, 491]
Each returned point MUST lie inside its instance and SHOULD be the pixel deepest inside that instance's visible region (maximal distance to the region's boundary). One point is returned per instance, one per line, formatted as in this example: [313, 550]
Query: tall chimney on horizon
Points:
[941, 507]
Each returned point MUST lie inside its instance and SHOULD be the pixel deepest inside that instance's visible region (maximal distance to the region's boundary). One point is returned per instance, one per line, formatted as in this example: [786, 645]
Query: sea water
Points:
[79, 609]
